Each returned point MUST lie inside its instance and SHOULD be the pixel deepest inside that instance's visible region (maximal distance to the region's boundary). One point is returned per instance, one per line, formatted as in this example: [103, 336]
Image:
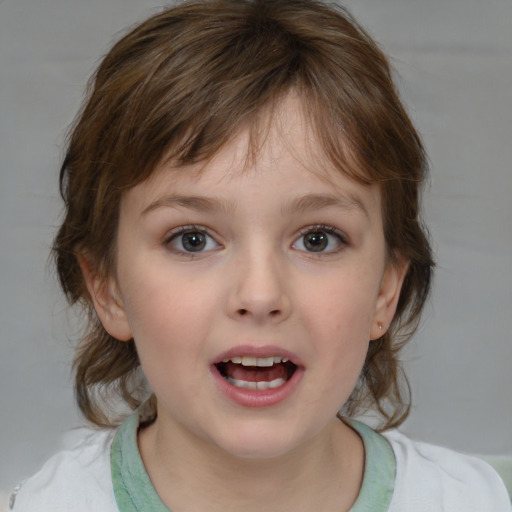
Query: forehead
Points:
[281, 145]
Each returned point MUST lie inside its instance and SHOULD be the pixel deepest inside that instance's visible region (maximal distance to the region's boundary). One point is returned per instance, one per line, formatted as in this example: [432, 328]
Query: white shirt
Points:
[426, 478]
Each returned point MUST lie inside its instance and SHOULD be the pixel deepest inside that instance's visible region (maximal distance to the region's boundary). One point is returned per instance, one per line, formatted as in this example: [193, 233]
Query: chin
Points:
[258, 441]
[258, 451]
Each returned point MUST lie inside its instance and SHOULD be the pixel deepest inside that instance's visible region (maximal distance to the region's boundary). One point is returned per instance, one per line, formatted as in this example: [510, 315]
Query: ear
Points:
[105, 297]
[387, 299]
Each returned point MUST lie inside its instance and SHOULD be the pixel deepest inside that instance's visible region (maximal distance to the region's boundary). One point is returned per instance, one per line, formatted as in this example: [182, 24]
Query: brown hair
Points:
[185, 82]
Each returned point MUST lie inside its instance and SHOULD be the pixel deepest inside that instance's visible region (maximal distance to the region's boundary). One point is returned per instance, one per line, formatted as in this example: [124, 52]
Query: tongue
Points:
[255, 373]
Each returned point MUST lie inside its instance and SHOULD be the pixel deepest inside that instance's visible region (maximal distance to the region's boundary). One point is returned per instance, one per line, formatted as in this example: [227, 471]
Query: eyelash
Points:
[329, 230]
[315, 229]
[182, 230]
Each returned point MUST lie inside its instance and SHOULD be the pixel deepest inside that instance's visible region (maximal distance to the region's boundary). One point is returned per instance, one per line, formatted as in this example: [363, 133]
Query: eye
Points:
[190, 239]
[319, 239]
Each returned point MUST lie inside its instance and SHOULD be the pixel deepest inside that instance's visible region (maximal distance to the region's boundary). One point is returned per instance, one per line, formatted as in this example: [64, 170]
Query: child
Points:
[242, 226]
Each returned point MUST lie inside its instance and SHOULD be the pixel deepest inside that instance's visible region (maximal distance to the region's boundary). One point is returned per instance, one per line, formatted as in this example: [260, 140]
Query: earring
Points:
[379, 325]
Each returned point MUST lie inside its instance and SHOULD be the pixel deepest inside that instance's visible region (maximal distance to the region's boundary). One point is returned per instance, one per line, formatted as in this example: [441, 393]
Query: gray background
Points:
[455, 62]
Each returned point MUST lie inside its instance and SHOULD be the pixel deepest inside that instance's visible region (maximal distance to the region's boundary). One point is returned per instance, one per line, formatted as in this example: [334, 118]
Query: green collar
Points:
[134, 491]
[379, 471]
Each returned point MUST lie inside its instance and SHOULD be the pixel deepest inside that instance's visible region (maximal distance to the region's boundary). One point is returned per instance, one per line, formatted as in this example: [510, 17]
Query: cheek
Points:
[339, 322]
[170, 315]
[151, 290]
[342, 306]
[169, 332]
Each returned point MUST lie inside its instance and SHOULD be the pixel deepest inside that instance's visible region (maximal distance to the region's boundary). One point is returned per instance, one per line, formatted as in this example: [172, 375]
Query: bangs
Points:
[179, 89]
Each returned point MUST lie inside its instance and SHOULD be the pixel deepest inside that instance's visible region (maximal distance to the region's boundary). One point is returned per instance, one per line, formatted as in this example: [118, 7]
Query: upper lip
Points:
[262, 352]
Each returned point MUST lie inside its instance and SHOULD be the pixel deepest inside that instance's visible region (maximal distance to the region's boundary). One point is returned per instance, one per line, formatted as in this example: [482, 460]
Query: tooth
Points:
[242, 383]
[270, 385]
[276, 383]
[255, 361]
[261, 386]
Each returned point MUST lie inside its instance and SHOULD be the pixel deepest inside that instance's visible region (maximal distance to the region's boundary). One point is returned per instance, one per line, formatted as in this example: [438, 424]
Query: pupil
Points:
[315, 242]
[194, 241]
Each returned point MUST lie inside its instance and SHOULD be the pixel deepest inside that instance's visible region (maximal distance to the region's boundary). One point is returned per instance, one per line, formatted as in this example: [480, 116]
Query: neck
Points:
[327, 470]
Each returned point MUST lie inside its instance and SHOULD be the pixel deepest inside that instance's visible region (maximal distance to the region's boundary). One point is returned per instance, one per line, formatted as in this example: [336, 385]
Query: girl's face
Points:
[252, 291]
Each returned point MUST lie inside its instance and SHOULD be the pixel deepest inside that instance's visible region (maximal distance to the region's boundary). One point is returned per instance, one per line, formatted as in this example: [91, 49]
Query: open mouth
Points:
[256, 373]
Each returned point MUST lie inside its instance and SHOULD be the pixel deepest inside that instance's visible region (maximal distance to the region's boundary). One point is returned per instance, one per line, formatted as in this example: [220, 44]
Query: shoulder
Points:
[430, 477]
[73, 480]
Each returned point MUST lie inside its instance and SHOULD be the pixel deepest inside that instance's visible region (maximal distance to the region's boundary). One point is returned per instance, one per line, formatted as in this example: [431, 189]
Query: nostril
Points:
[274, 312]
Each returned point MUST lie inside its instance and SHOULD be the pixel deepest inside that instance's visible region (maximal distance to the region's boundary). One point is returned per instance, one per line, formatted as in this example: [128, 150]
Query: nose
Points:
[260, 290]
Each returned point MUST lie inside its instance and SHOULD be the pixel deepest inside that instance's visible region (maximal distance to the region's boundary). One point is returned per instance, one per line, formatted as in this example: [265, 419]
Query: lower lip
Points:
[255, 397]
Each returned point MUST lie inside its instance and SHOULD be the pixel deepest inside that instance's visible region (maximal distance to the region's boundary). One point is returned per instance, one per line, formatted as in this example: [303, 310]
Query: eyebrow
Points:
[311, 202]
[198, 203]
[301, 204]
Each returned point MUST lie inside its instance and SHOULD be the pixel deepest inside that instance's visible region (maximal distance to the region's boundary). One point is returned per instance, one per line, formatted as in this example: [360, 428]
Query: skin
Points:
[255, 284]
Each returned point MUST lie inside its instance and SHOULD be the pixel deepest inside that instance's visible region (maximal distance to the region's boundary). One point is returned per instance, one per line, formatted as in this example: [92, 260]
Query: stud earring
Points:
[379, 325]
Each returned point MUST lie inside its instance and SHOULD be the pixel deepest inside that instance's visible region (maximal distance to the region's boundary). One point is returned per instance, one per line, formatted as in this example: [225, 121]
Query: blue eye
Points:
[318, 239]
[190, 240]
